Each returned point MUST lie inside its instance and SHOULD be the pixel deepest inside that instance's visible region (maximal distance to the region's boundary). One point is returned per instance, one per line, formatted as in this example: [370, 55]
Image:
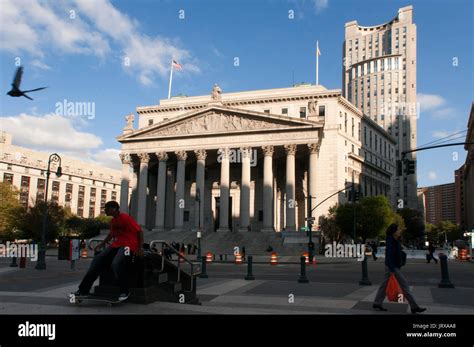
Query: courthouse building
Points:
[255, 157]
[83, 186]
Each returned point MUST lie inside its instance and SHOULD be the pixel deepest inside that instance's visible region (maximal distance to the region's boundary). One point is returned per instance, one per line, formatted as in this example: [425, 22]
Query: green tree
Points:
[415, 225]
[372, 216]
[9, 205]
[329, 227]
[448, 230]
[30, 223]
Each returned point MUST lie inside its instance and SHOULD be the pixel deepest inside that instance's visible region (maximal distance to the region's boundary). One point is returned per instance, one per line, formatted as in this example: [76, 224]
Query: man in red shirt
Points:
[127, 239]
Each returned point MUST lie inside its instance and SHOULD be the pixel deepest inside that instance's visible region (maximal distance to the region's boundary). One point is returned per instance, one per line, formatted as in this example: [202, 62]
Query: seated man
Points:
[127, 240]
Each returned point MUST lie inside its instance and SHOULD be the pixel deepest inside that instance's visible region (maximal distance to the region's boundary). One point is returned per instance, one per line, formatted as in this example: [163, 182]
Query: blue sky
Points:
[115, 54]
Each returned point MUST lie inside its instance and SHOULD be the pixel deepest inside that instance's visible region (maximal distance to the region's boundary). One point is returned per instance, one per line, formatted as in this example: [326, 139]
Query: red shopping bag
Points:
[393, 289]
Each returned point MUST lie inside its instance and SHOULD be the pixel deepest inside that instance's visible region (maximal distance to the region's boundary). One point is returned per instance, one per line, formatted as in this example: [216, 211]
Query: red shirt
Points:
[124, 230]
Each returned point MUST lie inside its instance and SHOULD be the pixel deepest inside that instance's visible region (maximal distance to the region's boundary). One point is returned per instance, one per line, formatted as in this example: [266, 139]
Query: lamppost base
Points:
[365, 282]
[40, 266]
[249, 278]
[303, 280]
[445, 285]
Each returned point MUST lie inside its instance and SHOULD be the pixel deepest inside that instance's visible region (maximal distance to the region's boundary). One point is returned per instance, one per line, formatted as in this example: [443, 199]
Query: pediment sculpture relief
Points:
[216, 122]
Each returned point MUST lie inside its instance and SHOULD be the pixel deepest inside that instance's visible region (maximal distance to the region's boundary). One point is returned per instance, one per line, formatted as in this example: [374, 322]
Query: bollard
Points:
[249, 276]
[203, 269]
[303, 278]
[365, 274]
[13, 263]
[445, 282]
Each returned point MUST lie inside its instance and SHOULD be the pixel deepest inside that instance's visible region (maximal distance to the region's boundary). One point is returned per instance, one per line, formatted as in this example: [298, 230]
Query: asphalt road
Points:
[417, 272]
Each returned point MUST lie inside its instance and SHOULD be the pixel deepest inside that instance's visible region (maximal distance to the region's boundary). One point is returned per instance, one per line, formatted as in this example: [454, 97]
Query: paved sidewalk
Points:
[29, 291]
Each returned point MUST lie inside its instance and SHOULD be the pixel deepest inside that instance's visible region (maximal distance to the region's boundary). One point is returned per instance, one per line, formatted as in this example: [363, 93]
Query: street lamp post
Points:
[198, 200]
[41, 264]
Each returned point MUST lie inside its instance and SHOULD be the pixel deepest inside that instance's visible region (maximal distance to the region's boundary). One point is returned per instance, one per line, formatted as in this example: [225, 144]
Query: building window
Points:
[40, 189]
[8, 178]
[114, 196]
[284, 111]
[103, 200]
[68, 197]
[92, 203]
[266, 111]
[150, 122]
[186, 216]
[322, 111]
[9, 167]
[55, 192]
[24, 191]
[80, 201]
[302, 112]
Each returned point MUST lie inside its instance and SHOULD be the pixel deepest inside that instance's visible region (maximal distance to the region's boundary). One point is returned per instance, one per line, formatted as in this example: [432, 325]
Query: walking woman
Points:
[393, 262]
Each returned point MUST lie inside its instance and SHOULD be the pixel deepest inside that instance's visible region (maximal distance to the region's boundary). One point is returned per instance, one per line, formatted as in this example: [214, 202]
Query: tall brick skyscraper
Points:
[379, 77]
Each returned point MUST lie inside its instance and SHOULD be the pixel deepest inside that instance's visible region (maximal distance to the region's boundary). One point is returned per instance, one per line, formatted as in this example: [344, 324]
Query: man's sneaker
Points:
[123, 296]
[79, 293]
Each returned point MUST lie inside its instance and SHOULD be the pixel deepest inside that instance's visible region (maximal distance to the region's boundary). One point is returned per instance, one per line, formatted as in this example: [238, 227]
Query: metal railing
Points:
[195, 267]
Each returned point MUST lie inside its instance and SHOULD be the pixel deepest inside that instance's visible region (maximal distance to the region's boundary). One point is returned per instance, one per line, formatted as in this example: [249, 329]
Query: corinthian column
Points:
[290, 203]
[161, 191]
[125, 182]
[142, 188]
[313, 156]
[200, 184]
[225, 186]
[245, 190]
[180, 180]
[268, 188]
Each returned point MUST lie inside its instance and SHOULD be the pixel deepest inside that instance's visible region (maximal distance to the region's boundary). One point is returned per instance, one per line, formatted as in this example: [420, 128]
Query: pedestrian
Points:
[430, 255]
[189, 248]
[393, 262]
[243, 252]
[127, 240]
[374, 250]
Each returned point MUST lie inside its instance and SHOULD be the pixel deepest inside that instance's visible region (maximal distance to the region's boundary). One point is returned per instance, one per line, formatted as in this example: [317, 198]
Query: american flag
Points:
[176, 65]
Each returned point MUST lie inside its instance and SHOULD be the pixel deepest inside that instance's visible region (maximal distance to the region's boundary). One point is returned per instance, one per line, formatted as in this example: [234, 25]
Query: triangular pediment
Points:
[218, 120]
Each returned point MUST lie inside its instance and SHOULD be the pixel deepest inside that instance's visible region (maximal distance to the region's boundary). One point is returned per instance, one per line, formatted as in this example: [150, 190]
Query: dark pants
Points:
[114, 257]
[374, 255]
[380, 296]
[431, 256]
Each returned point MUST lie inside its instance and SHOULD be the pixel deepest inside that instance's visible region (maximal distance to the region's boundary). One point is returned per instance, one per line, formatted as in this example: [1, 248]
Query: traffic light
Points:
[409, 167]
[356, 196]
[399, 167]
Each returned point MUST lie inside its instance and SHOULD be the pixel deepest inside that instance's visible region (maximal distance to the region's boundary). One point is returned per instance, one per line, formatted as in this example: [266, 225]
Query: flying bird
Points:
[15, 91]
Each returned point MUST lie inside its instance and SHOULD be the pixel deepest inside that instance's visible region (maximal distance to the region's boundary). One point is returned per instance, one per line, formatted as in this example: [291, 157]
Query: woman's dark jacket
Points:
[393, 254]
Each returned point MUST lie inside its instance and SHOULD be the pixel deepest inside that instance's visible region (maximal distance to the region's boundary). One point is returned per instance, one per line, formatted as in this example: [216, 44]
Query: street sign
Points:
[312, 219]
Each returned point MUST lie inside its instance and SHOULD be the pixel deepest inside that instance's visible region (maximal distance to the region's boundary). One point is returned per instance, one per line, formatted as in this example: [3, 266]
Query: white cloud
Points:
[440, 134]
[432, 175]
[320, 5]
[96, 29]
[430, 101]
[53, 133]
[50, 132]
[445, 113]
[40, 65]
[108, 157]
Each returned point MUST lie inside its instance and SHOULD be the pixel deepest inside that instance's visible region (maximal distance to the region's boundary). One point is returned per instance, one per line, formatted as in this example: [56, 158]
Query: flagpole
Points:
[317, 63]
[171, 79]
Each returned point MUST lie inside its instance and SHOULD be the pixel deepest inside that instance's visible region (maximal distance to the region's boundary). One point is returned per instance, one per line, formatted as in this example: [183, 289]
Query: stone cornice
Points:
[233, 103]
